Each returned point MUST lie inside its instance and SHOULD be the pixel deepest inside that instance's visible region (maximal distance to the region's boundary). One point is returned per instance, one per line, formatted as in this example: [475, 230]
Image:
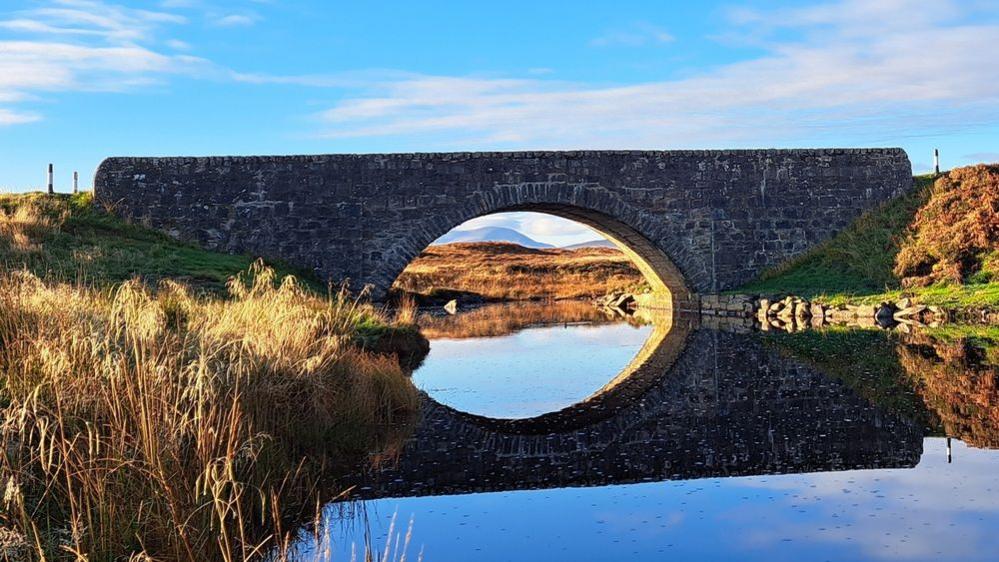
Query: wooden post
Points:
[949, 457]
[936, 161]
[51, 187]
[76, 182]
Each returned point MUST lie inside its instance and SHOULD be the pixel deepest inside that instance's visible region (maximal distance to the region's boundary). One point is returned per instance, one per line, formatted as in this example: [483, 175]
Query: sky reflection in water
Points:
[499, 377]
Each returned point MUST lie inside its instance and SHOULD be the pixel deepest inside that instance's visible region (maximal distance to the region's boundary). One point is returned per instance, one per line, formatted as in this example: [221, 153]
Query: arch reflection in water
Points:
[695, 403]
[524, 360]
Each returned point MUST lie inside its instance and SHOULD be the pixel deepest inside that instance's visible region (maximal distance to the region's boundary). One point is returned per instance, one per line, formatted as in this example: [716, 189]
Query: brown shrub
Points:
[955, 235]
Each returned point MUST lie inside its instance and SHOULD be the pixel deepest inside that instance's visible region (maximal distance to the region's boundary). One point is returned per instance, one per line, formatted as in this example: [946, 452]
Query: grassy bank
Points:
[505, 271]
[176, 420]
[895, 251]
[860, 260]
[69, 239]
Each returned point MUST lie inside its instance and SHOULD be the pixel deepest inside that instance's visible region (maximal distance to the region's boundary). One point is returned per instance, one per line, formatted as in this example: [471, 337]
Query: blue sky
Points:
[84, 79]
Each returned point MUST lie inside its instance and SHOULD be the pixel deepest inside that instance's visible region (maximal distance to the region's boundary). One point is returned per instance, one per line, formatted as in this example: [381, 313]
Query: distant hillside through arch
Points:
[512, 236]
[491, 234]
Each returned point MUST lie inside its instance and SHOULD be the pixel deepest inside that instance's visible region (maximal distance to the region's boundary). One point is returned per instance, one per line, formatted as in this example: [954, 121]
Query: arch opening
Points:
[534, 365]
[666, 284]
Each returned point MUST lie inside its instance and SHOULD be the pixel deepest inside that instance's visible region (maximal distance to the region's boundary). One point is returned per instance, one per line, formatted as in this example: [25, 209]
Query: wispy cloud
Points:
[8, 117]
[353, 79]
[177, 44]
[636, 35]
[870, 71]
[235, 20]
[78, 45]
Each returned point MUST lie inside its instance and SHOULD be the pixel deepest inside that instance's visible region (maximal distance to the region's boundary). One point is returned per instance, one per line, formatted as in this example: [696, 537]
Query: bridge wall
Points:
[700, 220]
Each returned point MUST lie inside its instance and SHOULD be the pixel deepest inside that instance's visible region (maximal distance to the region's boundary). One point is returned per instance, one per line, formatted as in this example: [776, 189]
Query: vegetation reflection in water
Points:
[826, 444]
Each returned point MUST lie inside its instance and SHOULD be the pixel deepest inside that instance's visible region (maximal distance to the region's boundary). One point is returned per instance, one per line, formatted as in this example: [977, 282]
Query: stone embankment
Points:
[793, 313]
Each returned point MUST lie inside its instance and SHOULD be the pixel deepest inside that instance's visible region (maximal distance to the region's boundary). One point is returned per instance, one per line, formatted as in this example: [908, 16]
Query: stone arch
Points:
[629, 229]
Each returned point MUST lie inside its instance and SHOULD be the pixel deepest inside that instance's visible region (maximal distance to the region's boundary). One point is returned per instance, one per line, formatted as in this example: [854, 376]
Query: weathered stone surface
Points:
[818, 311]
[702, 220]
[801, 311]
[623, 301]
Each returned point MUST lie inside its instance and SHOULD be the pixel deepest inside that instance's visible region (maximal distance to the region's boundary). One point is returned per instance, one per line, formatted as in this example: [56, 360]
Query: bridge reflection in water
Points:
[694, 403]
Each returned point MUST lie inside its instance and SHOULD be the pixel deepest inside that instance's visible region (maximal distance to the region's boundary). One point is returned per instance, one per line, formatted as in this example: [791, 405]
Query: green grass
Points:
[856, 266]
[947, 296]
[95, 247]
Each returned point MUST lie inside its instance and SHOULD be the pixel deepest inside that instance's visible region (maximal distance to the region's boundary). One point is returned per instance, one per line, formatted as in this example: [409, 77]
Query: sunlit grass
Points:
[179, 426]
[504, 271]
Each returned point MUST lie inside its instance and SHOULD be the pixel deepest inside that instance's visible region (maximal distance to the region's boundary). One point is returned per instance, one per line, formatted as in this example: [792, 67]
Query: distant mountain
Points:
[602, 243]
[490, 234]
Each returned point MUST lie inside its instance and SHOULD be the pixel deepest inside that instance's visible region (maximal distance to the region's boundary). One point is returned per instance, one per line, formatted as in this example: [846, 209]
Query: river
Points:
[565, 433]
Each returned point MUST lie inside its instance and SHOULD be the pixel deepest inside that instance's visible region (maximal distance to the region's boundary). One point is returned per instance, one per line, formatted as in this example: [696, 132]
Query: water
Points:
[498, 376]
[582, 437]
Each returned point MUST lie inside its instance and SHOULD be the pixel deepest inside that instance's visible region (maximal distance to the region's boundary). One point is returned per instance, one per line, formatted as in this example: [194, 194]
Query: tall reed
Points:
[165, 425]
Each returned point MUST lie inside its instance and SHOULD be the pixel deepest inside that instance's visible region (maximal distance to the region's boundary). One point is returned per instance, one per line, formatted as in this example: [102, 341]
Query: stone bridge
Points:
[727, 405]
[693, 221]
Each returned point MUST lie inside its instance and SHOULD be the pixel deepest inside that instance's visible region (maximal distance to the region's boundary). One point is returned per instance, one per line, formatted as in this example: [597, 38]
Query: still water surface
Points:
[500, 377]
[743, 447]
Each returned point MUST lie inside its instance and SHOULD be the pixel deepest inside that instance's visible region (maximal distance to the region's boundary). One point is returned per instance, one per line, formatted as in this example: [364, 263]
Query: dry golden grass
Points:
[22, 225]
[504, 271]
[165, 425]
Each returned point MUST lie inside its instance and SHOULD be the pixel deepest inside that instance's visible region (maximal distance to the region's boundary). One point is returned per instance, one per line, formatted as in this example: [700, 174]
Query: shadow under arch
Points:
[629, 229]
[653, 361]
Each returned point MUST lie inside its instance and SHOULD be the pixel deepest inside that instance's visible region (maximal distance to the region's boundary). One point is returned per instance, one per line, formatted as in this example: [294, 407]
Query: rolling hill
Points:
[490, 234]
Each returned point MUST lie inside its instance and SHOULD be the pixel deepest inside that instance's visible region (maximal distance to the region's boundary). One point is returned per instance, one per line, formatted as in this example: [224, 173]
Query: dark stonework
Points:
[719, 216]
[728, 406]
